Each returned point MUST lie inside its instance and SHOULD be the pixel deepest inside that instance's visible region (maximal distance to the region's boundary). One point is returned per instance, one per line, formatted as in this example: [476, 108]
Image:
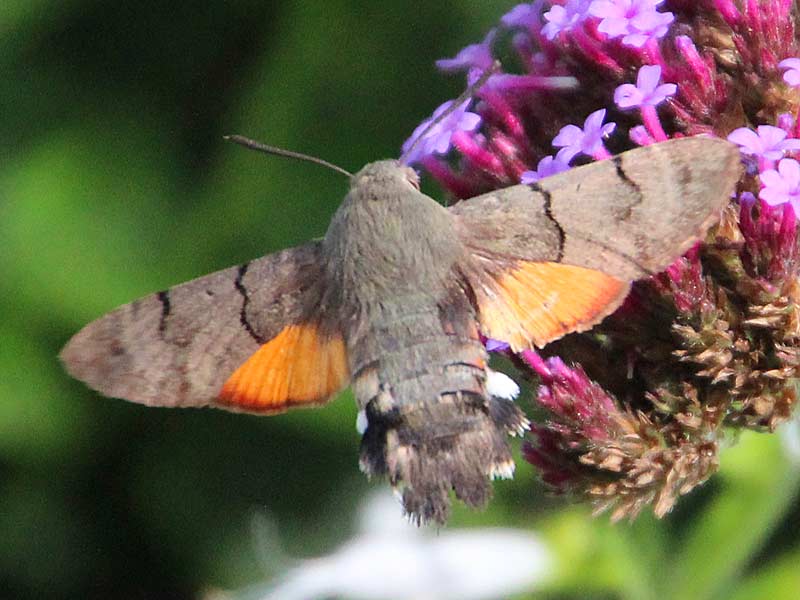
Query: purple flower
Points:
[549, 165]
[640, 136]
[524, 16]
[438, 139]
[493, 345]
[645, 96]
[769, 143]
[573, 140]
[786, 121]
[747, 198]
[636, 21]
[646, 92]
[782, 185]
[564, 18]
[476, 57]
[792, 75]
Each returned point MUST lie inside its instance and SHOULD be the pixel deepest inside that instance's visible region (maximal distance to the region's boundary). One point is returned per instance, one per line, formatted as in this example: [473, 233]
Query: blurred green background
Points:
[115, 182]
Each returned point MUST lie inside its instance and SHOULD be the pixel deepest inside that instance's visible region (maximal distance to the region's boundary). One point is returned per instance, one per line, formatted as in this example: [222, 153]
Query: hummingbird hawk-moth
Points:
[394, 300]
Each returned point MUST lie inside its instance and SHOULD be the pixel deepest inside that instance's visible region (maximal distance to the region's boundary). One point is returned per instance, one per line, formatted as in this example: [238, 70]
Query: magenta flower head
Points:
[771, 251]
[633, 413]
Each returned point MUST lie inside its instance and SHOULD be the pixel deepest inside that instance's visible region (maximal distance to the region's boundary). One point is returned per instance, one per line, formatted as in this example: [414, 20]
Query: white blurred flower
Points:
[392, 559]
[790, 435]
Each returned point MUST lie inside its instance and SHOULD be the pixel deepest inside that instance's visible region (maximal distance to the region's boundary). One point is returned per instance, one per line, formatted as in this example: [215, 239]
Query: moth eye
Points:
[412, 177]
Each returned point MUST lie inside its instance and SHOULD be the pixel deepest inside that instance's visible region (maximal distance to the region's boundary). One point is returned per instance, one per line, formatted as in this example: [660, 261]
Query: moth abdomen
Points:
[436, 433]
[451, 443]
[420, 376]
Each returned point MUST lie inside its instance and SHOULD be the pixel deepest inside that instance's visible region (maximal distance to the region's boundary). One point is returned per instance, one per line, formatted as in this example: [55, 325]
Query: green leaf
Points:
[779, 580]
[758, 485]
[598, 557]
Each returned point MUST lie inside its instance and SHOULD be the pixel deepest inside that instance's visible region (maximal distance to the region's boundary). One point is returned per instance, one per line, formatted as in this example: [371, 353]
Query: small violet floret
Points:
[573, 140]
[635, 21]
[493, 345]
[767, 142]
[524, 16]
[549, 165]
[782, 185]
[646, 95]
[640, 136]
[646, 92]
[792, 74]
[564, 18]
[439, 138]
[476, 57]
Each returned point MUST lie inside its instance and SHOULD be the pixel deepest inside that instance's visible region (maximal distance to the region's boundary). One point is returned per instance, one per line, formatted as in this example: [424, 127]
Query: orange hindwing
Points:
[298, 367]
[538, 302]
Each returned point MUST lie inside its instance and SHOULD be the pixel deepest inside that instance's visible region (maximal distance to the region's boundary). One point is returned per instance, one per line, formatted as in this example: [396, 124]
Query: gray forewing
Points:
[179, 346]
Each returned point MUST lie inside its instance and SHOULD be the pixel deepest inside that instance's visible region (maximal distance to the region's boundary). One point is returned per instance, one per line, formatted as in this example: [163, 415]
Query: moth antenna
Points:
[275, 151]
[467, 93]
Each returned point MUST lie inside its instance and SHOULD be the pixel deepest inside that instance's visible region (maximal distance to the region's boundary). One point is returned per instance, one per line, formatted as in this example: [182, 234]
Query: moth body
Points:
[417, 364]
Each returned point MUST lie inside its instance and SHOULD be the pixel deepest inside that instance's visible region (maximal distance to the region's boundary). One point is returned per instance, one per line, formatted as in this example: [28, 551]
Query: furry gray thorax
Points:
[388, 239]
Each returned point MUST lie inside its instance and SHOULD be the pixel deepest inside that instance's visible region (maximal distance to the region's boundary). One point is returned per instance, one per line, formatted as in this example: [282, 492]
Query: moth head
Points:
[382, 176]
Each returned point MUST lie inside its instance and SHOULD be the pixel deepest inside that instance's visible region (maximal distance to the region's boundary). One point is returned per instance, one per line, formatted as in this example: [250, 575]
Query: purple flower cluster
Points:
[712, 342]
[634, 22]
[765, 147]
[567, 47]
